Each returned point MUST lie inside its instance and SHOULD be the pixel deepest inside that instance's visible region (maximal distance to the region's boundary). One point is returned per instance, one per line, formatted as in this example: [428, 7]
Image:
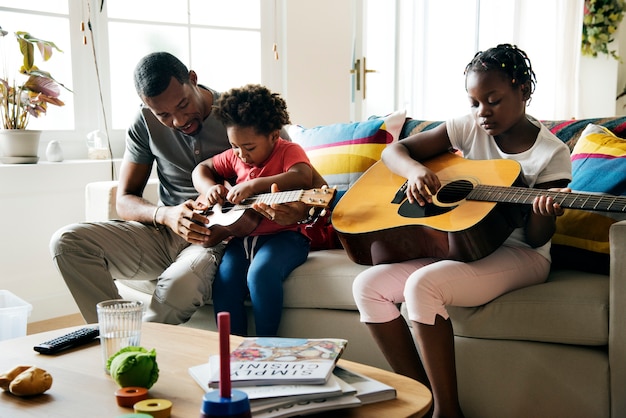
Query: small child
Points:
[256, 264]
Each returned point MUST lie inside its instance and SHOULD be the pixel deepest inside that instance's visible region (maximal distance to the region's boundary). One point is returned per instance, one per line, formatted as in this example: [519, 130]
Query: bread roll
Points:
[7, 378]
[33, 381]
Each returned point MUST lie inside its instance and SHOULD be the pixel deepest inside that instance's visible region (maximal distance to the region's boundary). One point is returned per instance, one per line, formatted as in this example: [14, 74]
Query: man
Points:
[175, 129]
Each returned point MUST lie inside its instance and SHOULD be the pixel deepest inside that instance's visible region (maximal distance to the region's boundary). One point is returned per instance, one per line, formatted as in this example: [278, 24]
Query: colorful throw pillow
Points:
[415, 126]
[342, 152]
[569, 131]
[598, 166]
[598, 162]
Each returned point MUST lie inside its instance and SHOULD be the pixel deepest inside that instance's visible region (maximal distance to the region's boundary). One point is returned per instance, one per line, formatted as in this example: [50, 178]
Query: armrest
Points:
[100, 199]
[617, 313]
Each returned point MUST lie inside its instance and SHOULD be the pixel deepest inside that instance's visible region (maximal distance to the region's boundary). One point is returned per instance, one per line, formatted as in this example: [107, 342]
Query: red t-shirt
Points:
[285, 155]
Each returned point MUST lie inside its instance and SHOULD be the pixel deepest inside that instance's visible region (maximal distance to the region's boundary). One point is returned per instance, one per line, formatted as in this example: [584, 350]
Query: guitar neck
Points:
[573, 200]
[315, 197]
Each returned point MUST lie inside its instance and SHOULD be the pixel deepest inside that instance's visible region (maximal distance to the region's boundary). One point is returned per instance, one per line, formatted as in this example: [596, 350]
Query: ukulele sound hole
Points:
[227, 206]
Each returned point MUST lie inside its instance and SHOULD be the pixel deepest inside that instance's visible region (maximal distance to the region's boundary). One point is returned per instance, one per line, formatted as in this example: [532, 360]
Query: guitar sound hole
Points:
[455, 191]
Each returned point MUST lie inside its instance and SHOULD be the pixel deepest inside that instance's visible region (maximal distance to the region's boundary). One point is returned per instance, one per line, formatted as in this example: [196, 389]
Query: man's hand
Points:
[283, 213]
[187, 221]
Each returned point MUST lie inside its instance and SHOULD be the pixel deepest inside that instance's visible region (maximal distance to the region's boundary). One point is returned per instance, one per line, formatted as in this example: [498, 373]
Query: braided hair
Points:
[252, 106]
[508, 59]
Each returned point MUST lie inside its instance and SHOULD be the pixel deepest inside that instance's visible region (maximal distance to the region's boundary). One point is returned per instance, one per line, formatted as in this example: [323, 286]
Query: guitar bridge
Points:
[400, 194]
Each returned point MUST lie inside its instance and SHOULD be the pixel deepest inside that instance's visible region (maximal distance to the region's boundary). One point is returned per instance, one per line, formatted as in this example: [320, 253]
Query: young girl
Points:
[256, 264]
[499, 83]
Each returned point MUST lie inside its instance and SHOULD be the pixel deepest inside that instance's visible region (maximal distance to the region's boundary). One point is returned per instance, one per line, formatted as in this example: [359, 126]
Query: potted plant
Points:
[25, 94]
[600, 22]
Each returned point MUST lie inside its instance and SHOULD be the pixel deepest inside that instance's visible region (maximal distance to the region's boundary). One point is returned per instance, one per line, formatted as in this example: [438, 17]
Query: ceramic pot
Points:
[19, 145]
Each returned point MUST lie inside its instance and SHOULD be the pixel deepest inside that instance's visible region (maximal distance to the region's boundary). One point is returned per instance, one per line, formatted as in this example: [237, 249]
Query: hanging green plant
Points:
[601, 19]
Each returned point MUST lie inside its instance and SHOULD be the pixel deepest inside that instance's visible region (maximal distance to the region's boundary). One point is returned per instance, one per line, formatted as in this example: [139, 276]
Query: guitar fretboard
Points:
[269, 198]
[521, 195]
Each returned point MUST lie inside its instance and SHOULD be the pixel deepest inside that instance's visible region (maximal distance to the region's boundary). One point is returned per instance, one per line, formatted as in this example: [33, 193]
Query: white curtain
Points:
[569, 21]
[446, 35]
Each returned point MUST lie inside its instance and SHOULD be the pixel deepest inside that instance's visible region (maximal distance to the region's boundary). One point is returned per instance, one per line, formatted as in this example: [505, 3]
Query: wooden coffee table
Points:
[81, 388]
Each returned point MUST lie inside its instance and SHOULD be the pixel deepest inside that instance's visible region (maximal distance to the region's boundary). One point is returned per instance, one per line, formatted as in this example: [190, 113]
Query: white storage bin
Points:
[14, 313]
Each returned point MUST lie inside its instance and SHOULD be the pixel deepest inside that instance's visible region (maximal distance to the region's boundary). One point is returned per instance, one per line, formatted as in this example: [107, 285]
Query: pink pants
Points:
[428, 285]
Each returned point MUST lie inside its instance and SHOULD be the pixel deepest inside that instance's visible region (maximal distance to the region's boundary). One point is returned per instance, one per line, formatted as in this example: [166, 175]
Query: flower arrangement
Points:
[600, 21]
[20, 100]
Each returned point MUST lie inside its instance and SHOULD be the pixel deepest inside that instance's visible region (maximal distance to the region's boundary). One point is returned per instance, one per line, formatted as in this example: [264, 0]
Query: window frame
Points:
[92, 102]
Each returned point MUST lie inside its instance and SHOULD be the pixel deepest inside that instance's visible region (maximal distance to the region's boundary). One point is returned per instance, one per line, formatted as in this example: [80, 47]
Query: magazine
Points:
[306, 393]
[368, 390]
[269, 394]
[310, 407]
[273, 360]
[343, 389]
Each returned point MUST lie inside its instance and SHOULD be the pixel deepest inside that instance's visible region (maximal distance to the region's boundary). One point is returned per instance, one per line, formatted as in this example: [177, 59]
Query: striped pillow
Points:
[598, 162]
[342, 152]
[598, 166]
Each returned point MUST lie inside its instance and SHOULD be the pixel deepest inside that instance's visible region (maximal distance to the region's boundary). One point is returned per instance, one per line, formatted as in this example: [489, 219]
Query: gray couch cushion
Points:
[570, 308]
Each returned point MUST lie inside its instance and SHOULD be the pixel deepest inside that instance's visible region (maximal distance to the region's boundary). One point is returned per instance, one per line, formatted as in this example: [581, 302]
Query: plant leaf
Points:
[43, 85]
[28, 52]
[27, 42]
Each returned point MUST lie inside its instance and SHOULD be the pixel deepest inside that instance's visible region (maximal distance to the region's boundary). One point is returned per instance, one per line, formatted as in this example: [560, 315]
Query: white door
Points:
[373, 59]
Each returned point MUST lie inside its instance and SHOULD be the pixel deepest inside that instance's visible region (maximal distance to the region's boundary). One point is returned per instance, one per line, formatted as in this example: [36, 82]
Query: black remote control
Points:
[73, 339]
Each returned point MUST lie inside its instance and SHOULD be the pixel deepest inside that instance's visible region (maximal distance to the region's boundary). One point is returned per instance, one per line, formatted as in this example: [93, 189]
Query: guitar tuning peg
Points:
[323, 212]
[311, 211]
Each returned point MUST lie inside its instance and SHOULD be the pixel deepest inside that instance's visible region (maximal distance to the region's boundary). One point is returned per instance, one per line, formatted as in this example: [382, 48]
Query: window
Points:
[49, 20]
[221, 41]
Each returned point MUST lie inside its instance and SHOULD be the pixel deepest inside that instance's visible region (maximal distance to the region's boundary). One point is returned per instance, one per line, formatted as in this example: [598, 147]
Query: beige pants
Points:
[90, 256]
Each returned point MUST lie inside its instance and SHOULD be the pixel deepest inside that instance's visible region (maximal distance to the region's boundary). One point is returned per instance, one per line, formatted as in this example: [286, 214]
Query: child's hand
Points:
[240, 192]
[546, 206]
[216, 194]
[283, 213]
[423, 183]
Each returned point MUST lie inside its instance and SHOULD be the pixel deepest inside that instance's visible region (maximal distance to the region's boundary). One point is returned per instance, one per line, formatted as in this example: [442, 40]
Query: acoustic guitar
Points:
[472, 214]
[241, 219]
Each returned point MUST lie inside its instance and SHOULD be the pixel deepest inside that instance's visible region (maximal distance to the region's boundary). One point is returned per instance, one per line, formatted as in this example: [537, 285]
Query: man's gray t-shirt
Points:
[176, 154]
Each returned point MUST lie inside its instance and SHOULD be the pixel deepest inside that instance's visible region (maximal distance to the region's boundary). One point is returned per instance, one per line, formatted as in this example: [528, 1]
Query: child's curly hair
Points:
[506, 58]
[252, 106]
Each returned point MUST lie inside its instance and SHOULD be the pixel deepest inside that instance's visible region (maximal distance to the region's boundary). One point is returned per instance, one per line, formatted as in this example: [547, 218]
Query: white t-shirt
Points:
[547, 160]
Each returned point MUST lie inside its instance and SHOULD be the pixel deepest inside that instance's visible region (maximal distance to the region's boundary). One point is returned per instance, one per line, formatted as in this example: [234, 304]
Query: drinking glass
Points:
[120, 325]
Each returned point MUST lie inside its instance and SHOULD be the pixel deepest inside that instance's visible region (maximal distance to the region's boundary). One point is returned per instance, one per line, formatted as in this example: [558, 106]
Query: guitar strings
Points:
[525, 195]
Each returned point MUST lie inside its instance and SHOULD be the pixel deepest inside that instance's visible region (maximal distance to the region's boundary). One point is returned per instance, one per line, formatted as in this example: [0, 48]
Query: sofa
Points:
[557, 349]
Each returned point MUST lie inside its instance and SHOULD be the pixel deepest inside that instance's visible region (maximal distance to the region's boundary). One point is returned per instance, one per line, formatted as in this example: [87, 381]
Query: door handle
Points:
[365, 71]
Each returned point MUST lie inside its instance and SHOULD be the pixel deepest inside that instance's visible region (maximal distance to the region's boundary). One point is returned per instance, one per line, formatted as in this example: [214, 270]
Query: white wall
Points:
[620, 108]
[36, 200]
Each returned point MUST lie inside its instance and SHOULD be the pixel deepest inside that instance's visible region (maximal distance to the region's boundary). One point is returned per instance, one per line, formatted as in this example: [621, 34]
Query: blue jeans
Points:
[257, 266]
